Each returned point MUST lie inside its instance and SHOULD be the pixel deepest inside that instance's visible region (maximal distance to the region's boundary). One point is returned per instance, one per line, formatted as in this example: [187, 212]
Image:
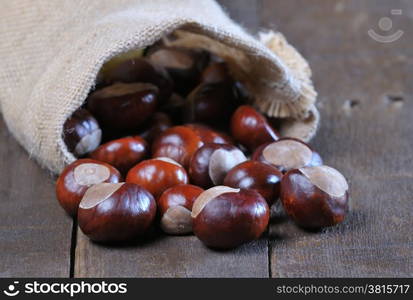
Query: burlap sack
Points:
[51, 53]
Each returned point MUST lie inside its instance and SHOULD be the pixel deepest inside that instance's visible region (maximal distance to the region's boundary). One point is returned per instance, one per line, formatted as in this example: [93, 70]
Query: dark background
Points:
[365, 99]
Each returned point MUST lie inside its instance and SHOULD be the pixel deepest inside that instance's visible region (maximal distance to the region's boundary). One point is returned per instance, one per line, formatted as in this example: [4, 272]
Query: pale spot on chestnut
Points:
[208, 195]
[327, 179]
[168, 160]
[99, 193]
[177, 220]
[288, 153]
[90, 173]
[222, 161]
[89, 142]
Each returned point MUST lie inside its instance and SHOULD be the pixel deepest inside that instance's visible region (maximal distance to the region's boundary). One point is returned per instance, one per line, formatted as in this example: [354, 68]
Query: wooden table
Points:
[365, 98]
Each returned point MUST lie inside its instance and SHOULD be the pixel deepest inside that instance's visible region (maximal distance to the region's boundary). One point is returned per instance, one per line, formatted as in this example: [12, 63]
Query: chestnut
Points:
[315, 197]
[178, 143]
[77, 177]
[216, 72]
[211, 163]
[174, 108]
[158, 123]
[137, 70]
[208, 135]
[114, 62]
[175, 206]
[211, 103]
[225, 218]
[157, 174]
[255, 175]
[184, 65]
[122, 153]
[251, 129]
[242, 92]
[287, 154]
[116, 212]
[123, 106]
[81, 133]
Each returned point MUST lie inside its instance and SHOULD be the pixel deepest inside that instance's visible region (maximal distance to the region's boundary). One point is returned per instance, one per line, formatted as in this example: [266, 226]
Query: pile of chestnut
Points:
[168, 137]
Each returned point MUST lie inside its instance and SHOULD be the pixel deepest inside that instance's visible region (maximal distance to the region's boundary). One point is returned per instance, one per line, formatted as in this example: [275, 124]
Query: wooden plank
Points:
[35, 234]
[364, 133]
[168, 256]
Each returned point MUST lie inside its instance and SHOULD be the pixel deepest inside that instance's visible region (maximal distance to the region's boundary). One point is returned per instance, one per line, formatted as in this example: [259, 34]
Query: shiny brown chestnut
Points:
[123, 106]
[211, 163]
[209, 135]
[255, 175]
[242, 92]
[216, 72]
[225, 218]
[108, 66]
[184, 65]
[158, 174]
[315, 197]
[287, 154]
[250, 128]
[174, 107]
[122, 153]
[211, 103]
[158, 123]
[137, 70]
[175, 206]
[81, 133]
[77, 177]
[178, 143]
[116, 212]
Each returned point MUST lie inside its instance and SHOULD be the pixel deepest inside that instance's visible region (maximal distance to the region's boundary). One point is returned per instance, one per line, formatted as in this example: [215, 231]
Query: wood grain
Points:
[35, 234]
[169, 256]
[364, 133]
